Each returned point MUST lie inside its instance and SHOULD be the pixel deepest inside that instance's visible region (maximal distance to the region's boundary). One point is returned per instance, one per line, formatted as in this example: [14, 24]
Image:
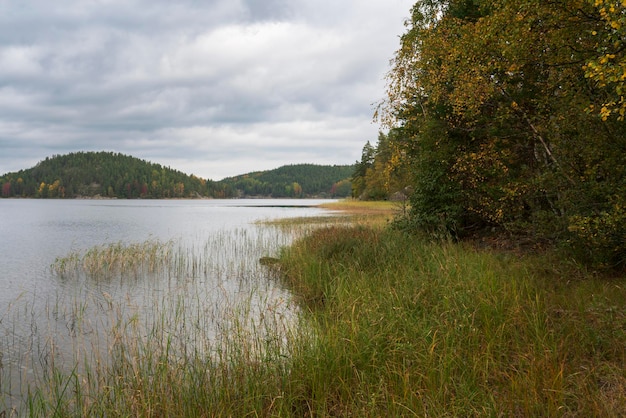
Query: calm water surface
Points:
[44, 316]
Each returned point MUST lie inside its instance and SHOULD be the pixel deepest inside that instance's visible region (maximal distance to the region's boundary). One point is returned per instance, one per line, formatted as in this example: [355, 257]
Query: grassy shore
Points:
[363, 207]
[391, 325]
[405, 327]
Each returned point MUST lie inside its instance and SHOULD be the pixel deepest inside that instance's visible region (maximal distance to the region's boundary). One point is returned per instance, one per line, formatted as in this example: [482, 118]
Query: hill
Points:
[298, 180]
[105, 174]
[114, 175]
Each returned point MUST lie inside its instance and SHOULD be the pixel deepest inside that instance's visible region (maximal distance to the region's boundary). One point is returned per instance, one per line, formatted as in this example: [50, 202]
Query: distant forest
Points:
[114, 175]
[293, 181]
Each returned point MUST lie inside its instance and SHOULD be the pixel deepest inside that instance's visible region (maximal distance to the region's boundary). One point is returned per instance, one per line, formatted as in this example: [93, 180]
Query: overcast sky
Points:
[213, 88]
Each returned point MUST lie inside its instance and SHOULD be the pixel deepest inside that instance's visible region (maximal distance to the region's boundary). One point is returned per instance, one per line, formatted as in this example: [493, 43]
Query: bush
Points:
[601, 239]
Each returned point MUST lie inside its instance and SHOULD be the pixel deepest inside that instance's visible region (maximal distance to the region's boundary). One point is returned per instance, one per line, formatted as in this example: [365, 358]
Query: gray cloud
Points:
[214, 88]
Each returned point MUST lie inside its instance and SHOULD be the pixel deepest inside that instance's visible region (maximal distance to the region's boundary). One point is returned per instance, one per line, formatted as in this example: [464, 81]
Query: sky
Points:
[213, 88]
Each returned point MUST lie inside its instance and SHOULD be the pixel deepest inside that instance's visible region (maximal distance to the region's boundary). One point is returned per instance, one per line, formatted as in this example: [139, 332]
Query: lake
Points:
[59, 307]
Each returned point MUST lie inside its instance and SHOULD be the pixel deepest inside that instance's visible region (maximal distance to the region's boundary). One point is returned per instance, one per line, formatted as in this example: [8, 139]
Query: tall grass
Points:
[137, 326]
[390, 325]
[405, 327]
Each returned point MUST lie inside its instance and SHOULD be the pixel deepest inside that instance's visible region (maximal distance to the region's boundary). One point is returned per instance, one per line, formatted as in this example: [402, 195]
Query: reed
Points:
[148, 321]
[102, 262]
[388, 325]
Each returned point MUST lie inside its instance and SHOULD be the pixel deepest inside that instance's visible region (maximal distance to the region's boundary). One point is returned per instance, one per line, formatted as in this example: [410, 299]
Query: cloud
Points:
[214, 88]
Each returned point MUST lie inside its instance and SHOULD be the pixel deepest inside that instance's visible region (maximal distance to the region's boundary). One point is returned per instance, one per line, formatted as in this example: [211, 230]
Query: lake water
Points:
[60, 317]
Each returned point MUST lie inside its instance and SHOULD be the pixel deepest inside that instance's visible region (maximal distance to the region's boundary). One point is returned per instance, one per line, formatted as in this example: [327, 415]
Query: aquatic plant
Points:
[147, 311]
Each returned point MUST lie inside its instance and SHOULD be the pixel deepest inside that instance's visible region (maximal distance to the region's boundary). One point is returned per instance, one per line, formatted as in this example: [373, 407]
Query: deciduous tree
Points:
[494, 104]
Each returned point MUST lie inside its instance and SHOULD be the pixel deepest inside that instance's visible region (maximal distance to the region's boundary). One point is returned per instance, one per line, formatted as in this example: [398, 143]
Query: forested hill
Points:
[105, 174]
[114, 175]
[299, 180]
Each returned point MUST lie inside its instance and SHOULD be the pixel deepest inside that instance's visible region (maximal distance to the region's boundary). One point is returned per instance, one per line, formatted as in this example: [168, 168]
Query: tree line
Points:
[379, 175]
[508, 115]
[114, 175]
[298, 180]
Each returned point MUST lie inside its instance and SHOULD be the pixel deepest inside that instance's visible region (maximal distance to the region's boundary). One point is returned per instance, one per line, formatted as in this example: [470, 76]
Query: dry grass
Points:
[344, 212]
[359, 207]
[367, 213]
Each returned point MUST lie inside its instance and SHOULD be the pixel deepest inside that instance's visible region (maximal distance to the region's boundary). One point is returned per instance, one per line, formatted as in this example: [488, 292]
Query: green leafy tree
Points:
[341, 189]
[494, 105]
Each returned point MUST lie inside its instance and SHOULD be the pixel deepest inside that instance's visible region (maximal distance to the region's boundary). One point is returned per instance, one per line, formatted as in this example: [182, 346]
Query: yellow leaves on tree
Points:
[493, 99]
[297, 189]
[609, 68]
[491, 191]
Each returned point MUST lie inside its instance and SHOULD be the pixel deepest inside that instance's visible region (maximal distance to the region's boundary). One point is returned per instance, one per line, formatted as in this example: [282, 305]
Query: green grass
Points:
[391, 325]
[406, 327]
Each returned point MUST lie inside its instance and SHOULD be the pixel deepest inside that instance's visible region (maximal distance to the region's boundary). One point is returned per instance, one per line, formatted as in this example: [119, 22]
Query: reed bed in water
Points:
[155, 328]
[107, 260]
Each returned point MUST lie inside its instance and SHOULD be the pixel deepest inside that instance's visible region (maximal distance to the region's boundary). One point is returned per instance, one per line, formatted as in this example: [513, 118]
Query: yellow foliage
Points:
[609, 69]
[484, 175]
